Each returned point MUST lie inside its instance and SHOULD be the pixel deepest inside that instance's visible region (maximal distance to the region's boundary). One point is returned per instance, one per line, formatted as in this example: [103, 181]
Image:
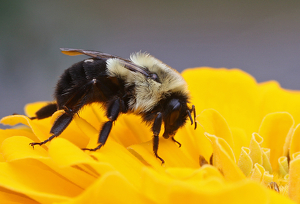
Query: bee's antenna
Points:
[194, 110]
[190, 116]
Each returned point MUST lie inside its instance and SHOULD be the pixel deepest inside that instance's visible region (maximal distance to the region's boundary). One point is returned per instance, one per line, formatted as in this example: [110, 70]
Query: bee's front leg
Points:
[156, 130]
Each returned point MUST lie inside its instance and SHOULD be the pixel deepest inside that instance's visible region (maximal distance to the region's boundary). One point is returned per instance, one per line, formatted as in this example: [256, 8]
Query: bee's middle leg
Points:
[113, 111]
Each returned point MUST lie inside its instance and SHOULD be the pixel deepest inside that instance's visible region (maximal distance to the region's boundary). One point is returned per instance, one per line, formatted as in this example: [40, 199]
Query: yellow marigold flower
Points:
[245, 150]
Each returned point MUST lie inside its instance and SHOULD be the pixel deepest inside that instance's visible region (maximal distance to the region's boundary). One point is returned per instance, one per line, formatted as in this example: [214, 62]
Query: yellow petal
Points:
[278, 198]
[296, 155]
[283, 166]
[17, 147]
[168, 150]
[212, 191]
[277, 99]
[70, 162]
[160, 187]
[72, 132]
[18, 131]
[41, 128]
[125, 135]
[66, 154]
[11, 197]
[224, 159]
[195, 176]
[121, 160]
[241, 139]
[245, 162]
[255, 150]
[38, 128]
[233, 93]
[111, 188]
[201, 143]
[88, 130]
[208, 171]
[276, 128]
[295, 141]
[294, 184]
[267, 178]
[283, 182]
[133, 127]
[241, 192]
[257, 173]
[266, 159]
[31, 108]
[186, 137]
[124, 130]
[153, 183]
[163, 189]
[94, 114]
[36, 180]
[215, 124]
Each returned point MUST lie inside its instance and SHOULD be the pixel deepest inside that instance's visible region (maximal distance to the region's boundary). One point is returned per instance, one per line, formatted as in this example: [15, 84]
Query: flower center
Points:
[254, 161]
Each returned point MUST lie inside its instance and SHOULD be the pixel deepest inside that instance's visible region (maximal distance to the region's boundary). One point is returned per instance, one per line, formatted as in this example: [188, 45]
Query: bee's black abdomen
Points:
[86, 82]
[67, 83]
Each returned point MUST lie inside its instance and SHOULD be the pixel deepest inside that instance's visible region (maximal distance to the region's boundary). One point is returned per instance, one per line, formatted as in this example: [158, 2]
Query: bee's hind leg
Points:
[58, 127]
[45, 112]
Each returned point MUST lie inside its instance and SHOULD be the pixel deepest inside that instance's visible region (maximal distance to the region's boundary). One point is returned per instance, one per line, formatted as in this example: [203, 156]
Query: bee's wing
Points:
[100, 55]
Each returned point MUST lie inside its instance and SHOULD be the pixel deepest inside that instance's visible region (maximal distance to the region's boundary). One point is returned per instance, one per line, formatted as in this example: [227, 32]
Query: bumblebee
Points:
[142, 85]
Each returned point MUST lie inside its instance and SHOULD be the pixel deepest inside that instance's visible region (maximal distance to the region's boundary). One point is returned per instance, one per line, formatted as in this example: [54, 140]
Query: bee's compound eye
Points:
[154, 77]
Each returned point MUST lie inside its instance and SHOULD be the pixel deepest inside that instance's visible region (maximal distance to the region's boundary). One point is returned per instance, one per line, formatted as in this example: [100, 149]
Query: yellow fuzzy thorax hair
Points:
[147, 91]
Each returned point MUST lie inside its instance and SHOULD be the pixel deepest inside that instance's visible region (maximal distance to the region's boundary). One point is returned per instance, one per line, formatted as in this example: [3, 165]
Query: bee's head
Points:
[175, 116]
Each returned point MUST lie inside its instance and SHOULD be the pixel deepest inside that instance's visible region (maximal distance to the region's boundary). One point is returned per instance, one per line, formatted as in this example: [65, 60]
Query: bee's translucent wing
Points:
[100, 55]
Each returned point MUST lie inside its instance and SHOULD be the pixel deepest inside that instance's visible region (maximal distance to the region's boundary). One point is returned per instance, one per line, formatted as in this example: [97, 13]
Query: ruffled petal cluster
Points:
[246, 149]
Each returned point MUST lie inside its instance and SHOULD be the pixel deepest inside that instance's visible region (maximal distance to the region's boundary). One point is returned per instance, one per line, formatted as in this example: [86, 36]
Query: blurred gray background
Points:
[260, 37]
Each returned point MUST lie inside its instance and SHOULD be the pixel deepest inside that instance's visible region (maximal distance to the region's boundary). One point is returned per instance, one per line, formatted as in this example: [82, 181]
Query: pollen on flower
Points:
[284, 189]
